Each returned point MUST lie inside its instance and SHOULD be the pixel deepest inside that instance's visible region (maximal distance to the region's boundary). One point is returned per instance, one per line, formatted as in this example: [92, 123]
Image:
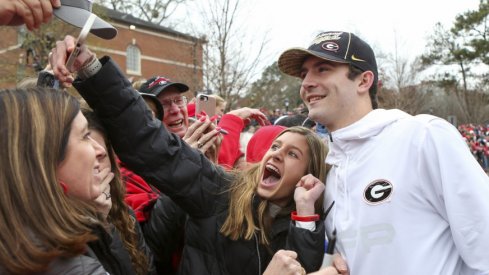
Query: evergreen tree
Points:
[273, 89]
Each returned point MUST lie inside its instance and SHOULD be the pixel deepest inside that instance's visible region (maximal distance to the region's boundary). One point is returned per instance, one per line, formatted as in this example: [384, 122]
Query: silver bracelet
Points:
[90, 69]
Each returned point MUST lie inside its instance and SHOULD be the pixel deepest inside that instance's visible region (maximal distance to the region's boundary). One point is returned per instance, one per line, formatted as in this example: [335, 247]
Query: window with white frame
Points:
[133, 60]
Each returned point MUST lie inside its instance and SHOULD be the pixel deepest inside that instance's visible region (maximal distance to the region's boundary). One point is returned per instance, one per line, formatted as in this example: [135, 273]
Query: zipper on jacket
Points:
[346, 188]
[257, 252]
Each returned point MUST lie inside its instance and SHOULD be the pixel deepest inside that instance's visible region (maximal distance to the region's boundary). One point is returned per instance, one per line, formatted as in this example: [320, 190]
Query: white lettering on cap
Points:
[327, 36]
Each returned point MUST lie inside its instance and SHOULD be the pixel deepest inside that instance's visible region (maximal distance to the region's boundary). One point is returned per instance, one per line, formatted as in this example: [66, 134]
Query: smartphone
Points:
[80, 41]
[46, 79]
[206, 103]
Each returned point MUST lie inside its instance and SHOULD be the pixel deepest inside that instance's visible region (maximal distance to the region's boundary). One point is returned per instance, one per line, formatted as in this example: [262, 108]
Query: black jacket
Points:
[106, 255]
[78, 265]
[164, 231]
[162, 158]
[109, 250]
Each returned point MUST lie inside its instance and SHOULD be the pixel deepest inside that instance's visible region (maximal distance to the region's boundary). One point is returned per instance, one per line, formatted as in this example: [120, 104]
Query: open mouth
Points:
[176, 124]
[313, 99]
[271, 175]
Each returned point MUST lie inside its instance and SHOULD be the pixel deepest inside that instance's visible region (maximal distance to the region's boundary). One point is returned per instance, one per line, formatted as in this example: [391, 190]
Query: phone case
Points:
[206, 103]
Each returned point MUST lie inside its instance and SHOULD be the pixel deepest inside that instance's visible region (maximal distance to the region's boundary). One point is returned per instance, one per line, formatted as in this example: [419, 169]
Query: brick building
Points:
[141, 49]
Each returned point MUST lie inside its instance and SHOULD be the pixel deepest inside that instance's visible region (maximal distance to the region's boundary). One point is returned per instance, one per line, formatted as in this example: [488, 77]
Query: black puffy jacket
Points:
[106, 255]
[78, 265]
[162, 158]
[109, 250]
[163, 231]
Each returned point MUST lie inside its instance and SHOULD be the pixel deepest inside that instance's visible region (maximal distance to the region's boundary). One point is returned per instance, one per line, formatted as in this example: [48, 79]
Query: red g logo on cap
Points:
[158, 81]
[330, 46]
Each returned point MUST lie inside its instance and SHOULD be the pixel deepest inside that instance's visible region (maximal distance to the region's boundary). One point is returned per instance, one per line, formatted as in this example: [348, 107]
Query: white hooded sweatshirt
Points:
[409, 197]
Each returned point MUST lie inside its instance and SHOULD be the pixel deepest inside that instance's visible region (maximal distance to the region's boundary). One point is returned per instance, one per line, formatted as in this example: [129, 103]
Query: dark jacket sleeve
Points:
[309, 245]
[146, 147]
[163, 231]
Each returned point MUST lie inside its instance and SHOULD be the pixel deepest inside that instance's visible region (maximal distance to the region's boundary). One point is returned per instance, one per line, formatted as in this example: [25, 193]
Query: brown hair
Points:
[38, 222]
[240, 221]
[353, 73]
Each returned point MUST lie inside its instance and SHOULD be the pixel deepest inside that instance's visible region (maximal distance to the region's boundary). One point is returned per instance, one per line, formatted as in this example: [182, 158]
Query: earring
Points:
[64, 186]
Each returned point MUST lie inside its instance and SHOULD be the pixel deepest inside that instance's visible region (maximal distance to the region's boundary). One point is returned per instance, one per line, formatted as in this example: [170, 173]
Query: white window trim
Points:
[128, 70]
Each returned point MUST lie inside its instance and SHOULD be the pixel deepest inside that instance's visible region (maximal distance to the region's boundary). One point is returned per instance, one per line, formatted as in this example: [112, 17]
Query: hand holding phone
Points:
[46, 79]
[80, 41]
[206, 103]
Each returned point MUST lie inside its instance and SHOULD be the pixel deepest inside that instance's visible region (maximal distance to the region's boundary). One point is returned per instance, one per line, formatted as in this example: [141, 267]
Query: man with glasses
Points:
[176, 120]
[168, 219]
[174, 104]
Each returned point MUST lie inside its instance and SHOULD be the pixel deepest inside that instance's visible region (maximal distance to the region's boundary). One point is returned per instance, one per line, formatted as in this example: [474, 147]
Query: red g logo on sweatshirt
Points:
[377, 191]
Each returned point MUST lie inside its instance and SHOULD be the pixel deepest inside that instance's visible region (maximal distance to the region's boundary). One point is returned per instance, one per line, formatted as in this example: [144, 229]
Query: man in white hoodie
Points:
[409, 198]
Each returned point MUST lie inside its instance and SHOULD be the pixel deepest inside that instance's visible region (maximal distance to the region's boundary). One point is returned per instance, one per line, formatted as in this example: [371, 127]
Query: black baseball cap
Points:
[335, 46]
[157, 84]
[76, 13]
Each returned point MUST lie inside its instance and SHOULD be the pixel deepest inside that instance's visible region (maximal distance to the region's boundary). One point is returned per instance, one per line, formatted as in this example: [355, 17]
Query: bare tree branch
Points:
[154, 11]
[229, 60]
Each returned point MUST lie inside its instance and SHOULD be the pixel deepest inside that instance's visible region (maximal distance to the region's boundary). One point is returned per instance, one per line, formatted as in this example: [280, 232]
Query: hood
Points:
[346, 139]
[370, 125]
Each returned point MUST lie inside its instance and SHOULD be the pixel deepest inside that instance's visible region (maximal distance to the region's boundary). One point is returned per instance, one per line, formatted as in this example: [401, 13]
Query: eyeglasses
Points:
[180, 101]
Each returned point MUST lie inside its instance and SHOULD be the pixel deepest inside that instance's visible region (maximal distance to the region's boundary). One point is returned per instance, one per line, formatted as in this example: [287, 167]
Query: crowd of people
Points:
[477, 138]
[129, 178]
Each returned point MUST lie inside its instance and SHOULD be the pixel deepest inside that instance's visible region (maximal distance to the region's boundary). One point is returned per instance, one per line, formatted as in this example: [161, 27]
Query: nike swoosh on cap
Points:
[354, 58]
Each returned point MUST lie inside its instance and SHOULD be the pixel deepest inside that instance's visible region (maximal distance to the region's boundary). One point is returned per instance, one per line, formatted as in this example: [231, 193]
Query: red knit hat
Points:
[261, 141]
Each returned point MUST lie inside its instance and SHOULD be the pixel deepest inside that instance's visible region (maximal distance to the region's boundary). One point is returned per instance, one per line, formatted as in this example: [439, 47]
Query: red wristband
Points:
[311, 218]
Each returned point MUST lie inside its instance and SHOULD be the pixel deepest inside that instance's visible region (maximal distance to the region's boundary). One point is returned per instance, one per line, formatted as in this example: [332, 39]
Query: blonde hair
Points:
[240, 222]
[28, 82]
[219, 100]
[138, 83]
[38, 222]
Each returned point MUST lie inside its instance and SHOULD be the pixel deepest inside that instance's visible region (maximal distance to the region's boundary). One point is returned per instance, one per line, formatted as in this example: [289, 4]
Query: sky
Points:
[382, 23]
